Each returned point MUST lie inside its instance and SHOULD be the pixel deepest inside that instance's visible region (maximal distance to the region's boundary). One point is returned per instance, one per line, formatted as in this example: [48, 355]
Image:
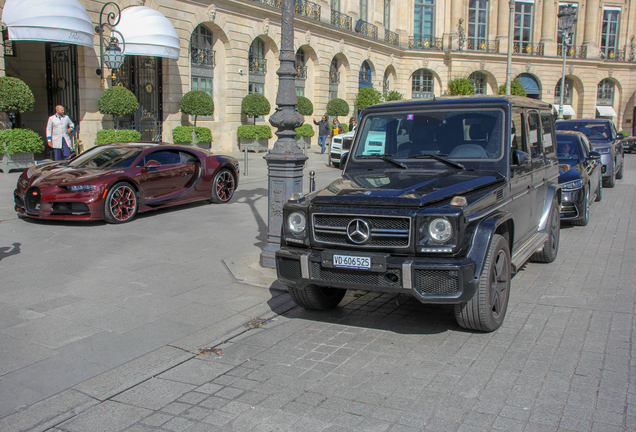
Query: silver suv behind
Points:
[340, 144]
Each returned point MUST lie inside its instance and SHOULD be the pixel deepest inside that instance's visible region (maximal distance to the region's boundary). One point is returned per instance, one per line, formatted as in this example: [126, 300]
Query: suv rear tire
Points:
[487, 309]
[317, 297]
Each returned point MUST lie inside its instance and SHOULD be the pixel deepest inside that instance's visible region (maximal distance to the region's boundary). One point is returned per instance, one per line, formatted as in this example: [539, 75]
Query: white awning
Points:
[148, 32]
[605, 111]
[62, 21]
[567, 110]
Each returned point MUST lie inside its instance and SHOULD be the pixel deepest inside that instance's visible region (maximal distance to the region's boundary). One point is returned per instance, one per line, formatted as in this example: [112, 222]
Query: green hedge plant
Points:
[337, 107]
[366, 97]
[305, 106]
[197, 103]
[183, 134]
[393, 95]
[254, 132]
[117, 101]
[254, 105]
[21, 141]
[106, 136]
[305, 131]
[461, 86]
[15, 96]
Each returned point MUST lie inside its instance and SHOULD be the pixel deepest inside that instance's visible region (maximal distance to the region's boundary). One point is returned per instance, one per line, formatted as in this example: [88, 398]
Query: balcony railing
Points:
[341, 20]
[258, 65]
[391, 37]
[272, 3]
[426, 43]
[301, 71]
[308, 9]
[526, 48]
[203, 57]
[482, 45]
[367, 29]
[573, 51]
[612, 55]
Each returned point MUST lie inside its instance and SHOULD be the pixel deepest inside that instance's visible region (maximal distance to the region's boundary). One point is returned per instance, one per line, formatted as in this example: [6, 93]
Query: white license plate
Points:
[352, 262]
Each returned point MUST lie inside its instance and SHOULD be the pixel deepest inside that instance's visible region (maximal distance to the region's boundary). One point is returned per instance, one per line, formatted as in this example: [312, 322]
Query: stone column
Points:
[457, 9]
[503, 13]
[592, 17]
[285, 161]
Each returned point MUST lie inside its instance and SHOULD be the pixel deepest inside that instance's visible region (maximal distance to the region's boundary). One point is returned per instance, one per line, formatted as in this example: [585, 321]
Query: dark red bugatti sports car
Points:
[115, 181]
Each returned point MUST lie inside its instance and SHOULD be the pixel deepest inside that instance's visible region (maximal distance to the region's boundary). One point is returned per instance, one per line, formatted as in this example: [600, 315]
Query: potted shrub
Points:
[461, 86]
[252, 137]
[18, 144]
[304, 134]
[516, 88]
[117, 101]
[305, 108]
[195, 103]
[337, 107]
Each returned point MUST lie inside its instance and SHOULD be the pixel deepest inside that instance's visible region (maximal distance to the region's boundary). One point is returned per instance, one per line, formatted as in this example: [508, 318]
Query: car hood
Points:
[404, 188]
[570, 174]
[57, 174]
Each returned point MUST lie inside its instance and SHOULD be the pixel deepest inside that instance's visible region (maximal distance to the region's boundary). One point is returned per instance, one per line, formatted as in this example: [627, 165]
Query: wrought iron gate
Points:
[61, 79]
[143, 76]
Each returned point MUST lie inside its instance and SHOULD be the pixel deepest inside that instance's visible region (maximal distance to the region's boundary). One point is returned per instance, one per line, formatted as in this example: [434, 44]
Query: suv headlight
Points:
[297, 223]
[437, 234]
[605, 150]
[571, 185]
[440, 230]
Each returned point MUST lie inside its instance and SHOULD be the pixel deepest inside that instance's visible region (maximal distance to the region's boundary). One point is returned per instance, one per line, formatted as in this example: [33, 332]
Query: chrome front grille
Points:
[385, 231]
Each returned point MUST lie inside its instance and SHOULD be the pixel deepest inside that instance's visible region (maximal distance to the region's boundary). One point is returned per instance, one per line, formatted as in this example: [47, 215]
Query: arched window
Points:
[531, 85]
[422, 84]
[479, 82]
[605, 92]
[258, 66]
[366, 76]
[301, 71]
[567, 94]
[202, 61]
[334, 79]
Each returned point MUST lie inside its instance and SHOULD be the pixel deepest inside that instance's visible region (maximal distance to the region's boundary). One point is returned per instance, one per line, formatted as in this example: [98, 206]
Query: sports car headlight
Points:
[571, 185]
[440, 230]
[297, 222]
[23, 182]
[81, 188]
[603, 150]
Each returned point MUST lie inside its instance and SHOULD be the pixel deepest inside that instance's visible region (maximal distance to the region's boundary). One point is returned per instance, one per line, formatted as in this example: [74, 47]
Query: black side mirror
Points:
[621, 136]
[520, 159]
[343, 159]
[595, 155]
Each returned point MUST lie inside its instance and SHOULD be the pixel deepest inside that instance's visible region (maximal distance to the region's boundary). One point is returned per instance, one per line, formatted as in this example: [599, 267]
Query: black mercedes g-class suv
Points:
[442, 199]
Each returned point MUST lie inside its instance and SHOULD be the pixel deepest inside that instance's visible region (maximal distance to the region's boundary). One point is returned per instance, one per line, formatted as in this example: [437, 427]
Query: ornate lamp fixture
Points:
[566, 21]
[113, 55]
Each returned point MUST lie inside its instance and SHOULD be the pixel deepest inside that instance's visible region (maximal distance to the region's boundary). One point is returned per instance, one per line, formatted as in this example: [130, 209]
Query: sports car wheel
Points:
[121, 204]
[223, 187]
[317, 297]
[599, 191]
[487, 309]
[551, 245]
[585, 218]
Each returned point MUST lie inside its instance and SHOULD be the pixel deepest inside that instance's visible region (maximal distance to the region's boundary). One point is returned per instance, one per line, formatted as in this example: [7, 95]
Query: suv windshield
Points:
[464, 135]
[594, 131]
[106, 157]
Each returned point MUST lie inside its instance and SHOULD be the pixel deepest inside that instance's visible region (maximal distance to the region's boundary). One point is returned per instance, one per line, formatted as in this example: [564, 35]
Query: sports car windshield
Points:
[449, 134]
[106, 157]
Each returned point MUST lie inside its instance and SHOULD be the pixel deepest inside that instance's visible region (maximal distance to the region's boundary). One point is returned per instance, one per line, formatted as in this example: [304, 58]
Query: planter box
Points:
[253, 144]
[203, 145]
[16, 161]
[303, 142]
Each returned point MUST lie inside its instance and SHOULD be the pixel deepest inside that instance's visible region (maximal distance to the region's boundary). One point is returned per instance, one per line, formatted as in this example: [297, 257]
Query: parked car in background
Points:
[579, 176]
[115, 181]
[340, 145]
[605, 140]
[629, 144]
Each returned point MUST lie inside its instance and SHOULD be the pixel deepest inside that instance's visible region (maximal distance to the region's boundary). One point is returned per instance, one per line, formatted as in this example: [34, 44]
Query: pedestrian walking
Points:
[323, 133]
[57, 129]
[352, 123]
[337, 128]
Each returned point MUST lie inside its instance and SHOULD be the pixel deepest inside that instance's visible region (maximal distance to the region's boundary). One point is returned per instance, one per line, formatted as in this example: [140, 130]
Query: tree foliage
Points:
[305, 106]
[366, 97]
[393, 95]
[461, 86]
[305, 130]
[255, 104]
[516, 88]
[21, 141]
[337, 107]
[197, 103]
[117, 101]
[15, 96]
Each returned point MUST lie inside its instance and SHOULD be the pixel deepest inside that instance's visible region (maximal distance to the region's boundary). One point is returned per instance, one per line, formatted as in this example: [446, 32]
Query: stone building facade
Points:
[231, 48]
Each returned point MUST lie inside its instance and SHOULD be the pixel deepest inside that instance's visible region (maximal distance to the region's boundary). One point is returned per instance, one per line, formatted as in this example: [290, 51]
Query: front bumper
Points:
[573, 202]
[427, 279]
[58, 204]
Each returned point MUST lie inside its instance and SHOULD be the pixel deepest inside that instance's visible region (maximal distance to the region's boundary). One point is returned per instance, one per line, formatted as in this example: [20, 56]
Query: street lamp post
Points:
[511, 32]
[113, 55]
[566, 20]
[285, 162]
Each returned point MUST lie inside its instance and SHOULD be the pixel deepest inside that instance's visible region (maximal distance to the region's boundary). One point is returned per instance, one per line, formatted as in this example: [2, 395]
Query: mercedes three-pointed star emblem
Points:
[359, 231]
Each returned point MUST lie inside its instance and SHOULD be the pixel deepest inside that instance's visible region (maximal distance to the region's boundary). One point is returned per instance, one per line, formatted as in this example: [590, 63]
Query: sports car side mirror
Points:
[152, 164]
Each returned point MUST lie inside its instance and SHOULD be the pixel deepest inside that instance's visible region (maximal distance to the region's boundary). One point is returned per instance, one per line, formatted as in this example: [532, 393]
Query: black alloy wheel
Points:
[121, 204]
[223, 187]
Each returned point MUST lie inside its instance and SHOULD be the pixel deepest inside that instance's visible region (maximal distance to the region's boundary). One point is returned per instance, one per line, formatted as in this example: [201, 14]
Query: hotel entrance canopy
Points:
[148, 32]
[62, 21]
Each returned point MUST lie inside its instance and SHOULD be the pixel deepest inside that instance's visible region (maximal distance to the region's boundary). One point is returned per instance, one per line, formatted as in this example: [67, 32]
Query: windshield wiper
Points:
[387, 158]
[438, 158]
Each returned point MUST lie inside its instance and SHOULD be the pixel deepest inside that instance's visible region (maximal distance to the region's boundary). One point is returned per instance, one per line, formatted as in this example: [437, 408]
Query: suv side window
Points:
[534, 134]
[518, 132]
[546, 123]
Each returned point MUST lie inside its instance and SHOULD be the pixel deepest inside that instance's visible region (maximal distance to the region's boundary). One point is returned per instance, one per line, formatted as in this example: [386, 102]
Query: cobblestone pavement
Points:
[561, 361]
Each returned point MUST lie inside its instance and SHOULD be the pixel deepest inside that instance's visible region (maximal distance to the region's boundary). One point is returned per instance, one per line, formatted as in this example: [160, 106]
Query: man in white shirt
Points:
[57, 129]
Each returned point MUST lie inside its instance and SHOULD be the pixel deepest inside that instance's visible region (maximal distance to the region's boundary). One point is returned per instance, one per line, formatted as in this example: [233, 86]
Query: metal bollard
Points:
[312, 181]
[245, 163]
